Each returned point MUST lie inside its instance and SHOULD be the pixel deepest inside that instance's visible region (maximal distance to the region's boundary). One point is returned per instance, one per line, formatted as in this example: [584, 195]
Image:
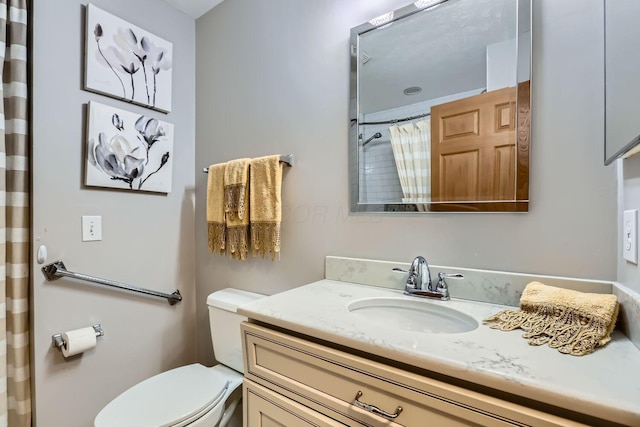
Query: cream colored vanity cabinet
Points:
[266, 408]
[303, 378]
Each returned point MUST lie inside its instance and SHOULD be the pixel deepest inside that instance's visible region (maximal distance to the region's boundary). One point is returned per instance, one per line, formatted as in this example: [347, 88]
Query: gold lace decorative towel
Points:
[236, 200]
[573, 322]
[236, 179]
[265, 205]
[216, 222]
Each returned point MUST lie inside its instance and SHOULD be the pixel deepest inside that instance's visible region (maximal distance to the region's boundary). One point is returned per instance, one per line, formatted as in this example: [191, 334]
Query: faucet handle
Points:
[402, 271]
[410, 279]
[442, 285]
[442, 276]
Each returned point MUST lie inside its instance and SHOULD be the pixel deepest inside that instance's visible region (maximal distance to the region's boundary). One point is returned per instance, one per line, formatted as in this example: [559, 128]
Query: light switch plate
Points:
[630, 236]
[91, 228]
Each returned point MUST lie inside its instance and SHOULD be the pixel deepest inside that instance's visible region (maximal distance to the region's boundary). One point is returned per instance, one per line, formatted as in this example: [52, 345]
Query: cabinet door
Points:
[265, 408]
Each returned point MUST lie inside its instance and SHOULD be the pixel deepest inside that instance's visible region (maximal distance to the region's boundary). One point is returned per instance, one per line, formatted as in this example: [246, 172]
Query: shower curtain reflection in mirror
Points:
[411, 151]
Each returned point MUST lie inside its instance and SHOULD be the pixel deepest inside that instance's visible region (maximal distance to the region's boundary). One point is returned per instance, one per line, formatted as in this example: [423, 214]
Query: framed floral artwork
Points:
[128, 151]
[127, 62]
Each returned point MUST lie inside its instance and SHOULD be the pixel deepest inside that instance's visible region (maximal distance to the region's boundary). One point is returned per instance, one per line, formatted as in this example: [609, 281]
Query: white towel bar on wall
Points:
[57, 269]
[287, 159]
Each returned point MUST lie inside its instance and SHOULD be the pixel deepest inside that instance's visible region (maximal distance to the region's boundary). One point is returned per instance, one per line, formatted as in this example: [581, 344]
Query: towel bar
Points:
[57, 269]
[287, 159]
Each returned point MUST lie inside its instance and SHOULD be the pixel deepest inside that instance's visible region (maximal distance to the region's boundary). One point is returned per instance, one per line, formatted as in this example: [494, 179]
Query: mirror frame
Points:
[631, 147]
[522, 134]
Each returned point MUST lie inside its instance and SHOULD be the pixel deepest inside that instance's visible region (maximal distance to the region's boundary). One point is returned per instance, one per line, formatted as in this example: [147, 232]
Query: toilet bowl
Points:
[193, 395]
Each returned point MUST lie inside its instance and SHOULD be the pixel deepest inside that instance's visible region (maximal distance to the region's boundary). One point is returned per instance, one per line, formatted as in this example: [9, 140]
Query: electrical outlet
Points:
[91, 228]
[630, 236]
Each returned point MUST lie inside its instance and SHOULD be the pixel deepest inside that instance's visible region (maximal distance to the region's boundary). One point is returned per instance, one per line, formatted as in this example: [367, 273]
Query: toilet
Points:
[192, 395]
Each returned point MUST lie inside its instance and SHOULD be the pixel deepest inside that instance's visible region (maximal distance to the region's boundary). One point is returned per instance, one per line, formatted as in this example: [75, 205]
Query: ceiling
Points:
[442, 50]
[194, 8]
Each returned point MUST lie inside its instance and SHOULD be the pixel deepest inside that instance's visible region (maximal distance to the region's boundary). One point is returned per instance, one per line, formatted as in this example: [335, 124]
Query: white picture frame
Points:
[126, 62]
[127, 151]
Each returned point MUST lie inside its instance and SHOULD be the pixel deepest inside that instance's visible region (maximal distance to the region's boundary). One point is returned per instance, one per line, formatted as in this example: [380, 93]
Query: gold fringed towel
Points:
[216, 222]
[573, 322]
[236, 179]
[236, 200]
[265, 185]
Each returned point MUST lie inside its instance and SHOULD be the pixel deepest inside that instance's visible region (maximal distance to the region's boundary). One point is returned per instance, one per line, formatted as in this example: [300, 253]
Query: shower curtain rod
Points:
[406, 119]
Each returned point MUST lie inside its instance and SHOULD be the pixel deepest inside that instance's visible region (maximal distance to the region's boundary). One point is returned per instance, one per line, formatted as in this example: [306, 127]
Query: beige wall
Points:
[148, 239]
[629, 198]
[273, 77]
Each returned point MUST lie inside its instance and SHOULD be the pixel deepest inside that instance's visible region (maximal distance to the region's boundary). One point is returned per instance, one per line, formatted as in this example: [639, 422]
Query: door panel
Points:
[473, 148]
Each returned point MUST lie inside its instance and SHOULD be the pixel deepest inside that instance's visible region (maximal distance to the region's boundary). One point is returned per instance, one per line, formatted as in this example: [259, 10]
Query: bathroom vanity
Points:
[313, 357]
[330, 382]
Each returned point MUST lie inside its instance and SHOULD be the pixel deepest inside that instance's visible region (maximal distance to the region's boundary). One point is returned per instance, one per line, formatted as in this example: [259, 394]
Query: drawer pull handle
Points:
[375, 410]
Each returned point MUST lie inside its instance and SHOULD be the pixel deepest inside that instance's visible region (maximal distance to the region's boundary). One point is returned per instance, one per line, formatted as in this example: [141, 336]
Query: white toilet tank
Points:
[225, 324]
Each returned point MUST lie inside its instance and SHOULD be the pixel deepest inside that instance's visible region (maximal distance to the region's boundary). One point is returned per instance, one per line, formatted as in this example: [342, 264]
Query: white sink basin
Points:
[413, 314]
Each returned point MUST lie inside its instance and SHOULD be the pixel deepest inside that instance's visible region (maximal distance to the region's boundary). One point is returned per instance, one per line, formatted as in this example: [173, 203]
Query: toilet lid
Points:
[166, 399]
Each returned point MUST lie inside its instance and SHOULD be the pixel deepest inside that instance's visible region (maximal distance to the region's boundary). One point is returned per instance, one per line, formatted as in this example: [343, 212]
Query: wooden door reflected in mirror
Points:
[474, 150]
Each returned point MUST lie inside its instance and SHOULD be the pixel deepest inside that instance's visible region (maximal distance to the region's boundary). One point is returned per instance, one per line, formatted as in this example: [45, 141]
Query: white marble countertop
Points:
[604, 384]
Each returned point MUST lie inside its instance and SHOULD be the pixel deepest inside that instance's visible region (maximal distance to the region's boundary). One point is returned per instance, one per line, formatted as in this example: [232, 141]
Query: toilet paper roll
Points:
[78, 341]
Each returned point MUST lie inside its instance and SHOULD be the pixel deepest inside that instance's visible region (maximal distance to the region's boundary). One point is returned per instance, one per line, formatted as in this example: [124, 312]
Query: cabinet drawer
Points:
[329, 380]
[264, 408]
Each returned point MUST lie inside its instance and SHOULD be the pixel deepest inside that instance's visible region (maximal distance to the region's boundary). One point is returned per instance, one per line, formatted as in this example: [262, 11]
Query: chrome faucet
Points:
[419, 282]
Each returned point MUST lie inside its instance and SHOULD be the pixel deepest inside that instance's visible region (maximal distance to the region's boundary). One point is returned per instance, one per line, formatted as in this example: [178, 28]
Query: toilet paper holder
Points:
[59, 342]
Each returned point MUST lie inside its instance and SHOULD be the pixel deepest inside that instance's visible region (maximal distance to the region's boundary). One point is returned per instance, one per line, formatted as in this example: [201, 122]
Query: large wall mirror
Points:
[622, 85]
[440, 108]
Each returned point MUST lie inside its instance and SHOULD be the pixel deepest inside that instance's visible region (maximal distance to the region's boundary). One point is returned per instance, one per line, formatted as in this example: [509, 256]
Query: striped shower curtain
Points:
[411, 144]
[15, 391]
